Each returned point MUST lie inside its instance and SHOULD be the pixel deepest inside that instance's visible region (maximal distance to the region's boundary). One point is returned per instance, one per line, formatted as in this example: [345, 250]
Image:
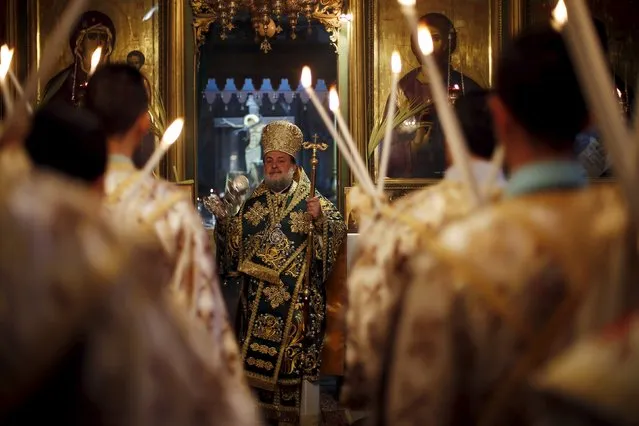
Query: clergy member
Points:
[88, 336]
[117, 95]
[382, 248]
[265, 252]
[509, 286]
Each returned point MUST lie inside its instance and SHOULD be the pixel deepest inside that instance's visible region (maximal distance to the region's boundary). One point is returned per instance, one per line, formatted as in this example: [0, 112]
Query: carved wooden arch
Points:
[327, 12]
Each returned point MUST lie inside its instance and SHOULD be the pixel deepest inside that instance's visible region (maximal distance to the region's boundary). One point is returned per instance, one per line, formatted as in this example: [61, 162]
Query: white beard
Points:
[280, 184]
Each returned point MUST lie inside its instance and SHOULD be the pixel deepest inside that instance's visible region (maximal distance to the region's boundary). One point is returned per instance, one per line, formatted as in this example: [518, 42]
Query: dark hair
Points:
[68, 140]
[117, 95]
[477, 123]
[138, 54]
[537, 83]
[445, 27]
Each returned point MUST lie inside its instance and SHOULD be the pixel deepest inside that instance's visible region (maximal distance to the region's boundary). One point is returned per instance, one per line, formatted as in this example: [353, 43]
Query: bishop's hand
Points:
[314, 208]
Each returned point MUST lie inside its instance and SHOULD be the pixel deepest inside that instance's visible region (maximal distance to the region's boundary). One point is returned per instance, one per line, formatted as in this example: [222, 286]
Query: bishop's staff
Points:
[309, 409]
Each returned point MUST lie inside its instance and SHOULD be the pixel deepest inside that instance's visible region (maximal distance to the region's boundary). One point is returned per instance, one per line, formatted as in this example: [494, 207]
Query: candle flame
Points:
[560, 14]
[396, 62]
[425, 40]
[173, 132]
[307, 79]
[333, 99]
[150, 13]
[407, 2]
[619, 93]
[6, 55]
[95, 60]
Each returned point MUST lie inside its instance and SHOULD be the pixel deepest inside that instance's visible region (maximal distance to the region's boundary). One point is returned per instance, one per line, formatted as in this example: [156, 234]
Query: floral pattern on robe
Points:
[477, 301]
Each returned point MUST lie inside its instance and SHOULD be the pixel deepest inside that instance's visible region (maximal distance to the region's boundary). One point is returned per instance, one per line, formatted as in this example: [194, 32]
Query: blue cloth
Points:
[546, 176]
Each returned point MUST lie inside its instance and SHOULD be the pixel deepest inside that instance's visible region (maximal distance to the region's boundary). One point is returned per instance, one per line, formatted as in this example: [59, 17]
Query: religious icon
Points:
[136, 59]
[418, 147]
[94, 30]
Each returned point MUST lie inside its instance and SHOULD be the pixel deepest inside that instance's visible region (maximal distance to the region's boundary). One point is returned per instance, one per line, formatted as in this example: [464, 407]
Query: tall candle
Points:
[575, 24]
[307, 84]
[351, 146]
[396, 68]
[452, 130]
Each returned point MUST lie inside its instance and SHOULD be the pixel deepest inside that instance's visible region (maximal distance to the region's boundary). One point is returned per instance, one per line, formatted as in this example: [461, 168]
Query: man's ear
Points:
[501, 117]
[144, 123]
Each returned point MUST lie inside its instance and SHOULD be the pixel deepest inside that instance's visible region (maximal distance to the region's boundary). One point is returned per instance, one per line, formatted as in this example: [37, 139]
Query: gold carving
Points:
[256, 213]
[259, 363]
[300, 222]
[264, 349]
[277, 295]
[269, 327]
[327, 12]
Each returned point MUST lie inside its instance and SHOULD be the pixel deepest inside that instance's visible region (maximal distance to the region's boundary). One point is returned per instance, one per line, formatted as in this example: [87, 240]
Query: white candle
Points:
[6, 56]
[575, 24]
[350, 144]
[307, 84]
[396, 68]
[19, 90]
[452, 130]
[171, 134]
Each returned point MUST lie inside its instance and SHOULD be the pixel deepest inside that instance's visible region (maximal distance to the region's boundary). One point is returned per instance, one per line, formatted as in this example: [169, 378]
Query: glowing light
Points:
[407, 2]
[173, 132]
[307, 79]
[396, 62]
[95, 60]
[6, 56]
[560, 15]
[425, 40]
[333, 99]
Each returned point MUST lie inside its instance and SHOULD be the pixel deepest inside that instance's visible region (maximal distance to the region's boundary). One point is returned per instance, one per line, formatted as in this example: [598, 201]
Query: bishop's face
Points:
[278, 169]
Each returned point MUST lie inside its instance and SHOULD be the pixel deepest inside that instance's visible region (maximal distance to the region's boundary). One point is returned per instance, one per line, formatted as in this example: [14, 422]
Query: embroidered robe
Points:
[495, 295]
[163, 210]
[263, 249]
[373, 287]
[93, 337]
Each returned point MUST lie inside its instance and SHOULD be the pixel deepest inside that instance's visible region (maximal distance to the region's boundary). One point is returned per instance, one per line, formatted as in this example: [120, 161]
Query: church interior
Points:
[347, 91]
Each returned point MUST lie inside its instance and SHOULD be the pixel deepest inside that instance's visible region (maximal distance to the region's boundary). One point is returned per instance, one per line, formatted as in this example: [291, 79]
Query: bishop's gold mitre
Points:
[282, 135]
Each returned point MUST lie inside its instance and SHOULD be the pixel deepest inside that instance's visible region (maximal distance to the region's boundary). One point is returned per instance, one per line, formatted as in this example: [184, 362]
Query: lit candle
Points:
[452, 130]
[596, 80]
[306, 80]
[396, 68]
[171, 134]
[6, 56]
[95, 60]
[598, 85]
[333, 105]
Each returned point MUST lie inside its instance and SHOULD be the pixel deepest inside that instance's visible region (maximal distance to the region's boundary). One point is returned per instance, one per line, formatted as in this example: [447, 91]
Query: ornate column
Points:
[174, 86]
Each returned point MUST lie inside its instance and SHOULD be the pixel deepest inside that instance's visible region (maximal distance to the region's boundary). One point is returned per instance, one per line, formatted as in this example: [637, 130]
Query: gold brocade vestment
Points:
[477, 307]
[263, 250]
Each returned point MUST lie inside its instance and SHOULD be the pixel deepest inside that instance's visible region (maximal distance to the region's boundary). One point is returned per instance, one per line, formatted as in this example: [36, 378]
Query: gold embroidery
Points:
[269, 327]
[263, 349]
[266, 365]
[300, 222]
[278, 251]
[256, 213]
[277, 295]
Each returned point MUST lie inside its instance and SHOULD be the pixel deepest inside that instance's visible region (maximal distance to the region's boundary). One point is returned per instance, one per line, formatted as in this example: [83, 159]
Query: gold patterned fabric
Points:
[263, 249]
[160, 209]
[373, 284]
[493, 296]
[88, 334]
[282, 135]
